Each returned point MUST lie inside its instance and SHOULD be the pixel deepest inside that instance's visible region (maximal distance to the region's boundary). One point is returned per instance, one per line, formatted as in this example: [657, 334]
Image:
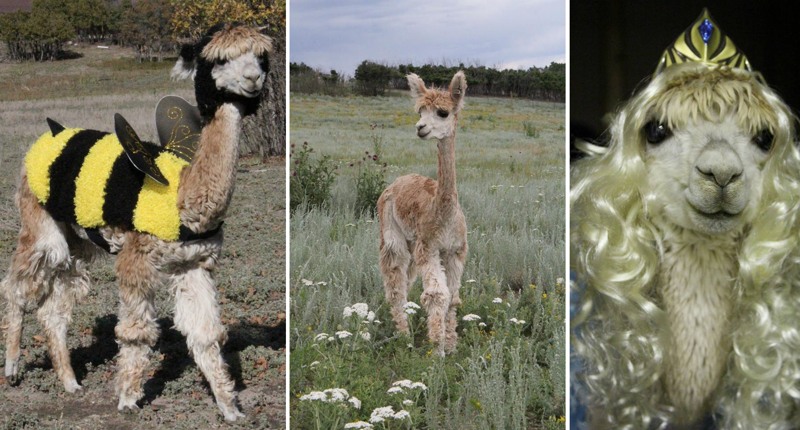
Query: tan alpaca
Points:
[49, 265]
[422, 227]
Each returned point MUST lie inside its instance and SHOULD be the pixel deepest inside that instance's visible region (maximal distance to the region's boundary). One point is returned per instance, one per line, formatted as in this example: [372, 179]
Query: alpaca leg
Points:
[435, 296]
[137, 330]
[55, 313]
[394, 264]
[197, 317]
[41, 252]
[454, 267]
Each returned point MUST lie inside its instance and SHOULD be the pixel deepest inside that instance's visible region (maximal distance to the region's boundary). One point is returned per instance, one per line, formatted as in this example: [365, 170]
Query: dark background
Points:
[616, 44]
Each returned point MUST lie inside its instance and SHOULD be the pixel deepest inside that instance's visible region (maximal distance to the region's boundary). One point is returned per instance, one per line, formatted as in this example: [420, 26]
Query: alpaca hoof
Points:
[12, 373]
[232, 415]
[13, 380]
[75, 389]
[129, 409]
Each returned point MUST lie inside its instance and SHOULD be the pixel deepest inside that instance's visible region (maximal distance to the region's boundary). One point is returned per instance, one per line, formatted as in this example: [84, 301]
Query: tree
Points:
[37, 35]
[146, 25]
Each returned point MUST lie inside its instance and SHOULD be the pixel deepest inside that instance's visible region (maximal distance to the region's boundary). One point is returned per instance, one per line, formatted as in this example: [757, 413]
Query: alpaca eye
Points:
[656, 132]
[220, 62]
[763, 139]
[442, 113]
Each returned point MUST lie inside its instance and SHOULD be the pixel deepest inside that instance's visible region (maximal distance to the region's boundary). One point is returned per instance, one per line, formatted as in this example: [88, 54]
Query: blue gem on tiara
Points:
[706, 29]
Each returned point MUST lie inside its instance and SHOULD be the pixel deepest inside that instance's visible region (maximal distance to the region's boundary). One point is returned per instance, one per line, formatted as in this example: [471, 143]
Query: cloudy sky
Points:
[339, 34]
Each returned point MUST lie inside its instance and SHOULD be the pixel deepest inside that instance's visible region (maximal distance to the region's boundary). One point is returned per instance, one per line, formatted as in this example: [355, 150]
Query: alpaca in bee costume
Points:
[685, 235]
[159, 208]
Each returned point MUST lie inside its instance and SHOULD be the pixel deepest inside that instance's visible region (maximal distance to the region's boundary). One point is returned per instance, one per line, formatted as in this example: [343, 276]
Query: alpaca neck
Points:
[446, 194]
[697, 277]
[207, 184]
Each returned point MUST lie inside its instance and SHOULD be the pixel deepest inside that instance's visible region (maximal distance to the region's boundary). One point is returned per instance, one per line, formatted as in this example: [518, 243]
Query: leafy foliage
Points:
[372, 79]
[311, 179]
[37, 35]
[193, 17]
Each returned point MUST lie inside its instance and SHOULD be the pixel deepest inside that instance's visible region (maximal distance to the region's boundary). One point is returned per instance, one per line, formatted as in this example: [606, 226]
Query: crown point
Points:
[706, 29]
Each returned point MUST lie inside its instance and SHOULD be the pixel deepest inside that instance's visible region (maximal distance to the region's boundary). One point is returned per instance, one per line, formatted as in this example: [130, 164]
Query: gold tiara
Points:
[703, 42]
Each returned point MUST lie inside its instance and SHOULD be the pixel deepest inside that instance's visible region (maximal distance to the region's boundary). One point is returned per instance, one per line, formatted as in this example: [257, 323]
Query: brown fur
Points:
[423, 229]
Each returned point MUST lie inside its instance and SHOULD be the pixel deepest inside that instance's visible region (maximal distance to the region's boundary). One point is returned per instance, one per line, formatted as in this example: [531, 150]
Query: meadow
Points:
[508, 371]
[86, 92]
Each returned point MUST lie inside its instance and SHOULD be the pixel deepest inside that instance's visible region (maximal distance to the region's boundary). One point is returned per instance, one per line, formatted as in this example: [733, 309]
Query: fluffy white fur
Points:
[241, 75]
[688, 311]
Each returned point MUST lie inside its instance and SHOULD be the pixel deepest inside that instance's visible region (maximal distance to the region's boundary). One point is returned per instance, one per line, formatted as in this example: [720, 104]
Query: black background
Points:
[616, 44]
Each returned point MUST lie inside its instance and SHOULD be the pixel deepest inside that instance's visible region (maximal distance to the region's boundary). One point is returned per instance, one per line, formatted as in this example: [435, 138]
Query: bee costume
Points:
[95, 179]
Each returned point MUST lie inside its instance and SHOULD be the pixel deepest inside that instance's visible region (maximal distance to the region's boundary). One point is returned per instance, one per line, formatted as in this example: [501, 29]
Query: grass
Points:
[86, 92]
[511, 188]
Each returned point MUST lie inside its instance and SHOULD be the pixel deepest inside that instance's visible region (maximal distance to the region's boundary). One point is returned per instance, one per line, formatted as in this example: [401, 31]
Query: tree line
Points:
[374, 79]
[152, 27]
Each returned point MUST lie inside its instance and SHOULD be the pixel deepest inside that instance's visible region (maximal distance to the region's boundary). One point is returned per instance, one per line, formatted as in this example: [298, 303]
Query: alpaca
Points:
[77, 188]
[422, 226]
[685, 235]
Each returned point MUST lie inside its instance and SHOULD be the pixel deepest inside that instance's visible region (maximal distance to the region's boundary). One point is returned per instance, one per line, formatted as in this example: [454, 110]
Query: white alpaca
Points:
[685, 234]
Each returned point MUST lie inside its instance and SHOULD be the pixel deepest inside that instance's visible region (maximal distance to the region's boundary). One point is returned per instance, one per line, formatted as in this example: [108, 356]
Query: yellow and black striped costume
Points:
[83, 177]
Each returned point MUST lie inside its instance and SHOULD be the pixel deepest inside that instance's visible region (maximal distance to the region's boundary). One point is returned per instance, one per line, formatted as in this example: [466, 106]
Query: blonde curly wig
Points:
[621, 331]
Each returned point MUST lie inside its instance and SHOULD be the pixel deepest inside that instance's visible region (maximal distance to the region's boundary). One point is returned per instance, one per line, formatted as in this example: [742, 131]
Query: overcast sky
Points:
[339, 34]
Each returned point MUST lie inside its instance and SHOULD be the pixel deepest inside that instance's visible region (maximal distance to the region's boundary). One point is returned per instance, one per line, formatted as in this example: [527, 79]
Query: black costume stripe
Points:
[63, 172]
[123, 187]
[122, 194]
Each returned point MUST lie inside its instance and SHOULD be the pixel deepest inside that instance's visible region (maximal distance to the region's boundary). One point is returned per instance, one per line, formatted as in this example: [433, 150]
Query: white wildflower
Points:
[497, 300]
[401, 415]
[358, 425]
[410, 311]
[517, 322]
[371, 316]
[337, 395]
[379, 414]
[470, 281]
[405, 383]
[344, 334]
[365, 335]
[471, 317]
[306, 282]
[314, 395]
[314, 364]
[361, 309]
[348, 311]
[481, 324]
[419, 385]
[323, 283]
[560, 281]
[321, 336]
[407, 402]
[355, 402]
[410, 346]
[411, 305]
[395, 390]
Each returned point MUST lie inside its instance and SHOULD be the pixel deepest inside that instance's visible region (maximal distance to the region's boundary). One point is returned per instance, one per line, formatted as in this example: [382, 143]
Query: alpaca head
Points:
[229, 64]
[705, 135]
[438, 109]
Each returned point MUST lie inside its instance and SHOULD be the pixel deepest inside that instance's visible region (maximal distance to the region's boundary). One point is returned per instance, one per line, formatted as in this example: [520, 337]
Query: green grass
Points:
[511, 188]
[250, 277]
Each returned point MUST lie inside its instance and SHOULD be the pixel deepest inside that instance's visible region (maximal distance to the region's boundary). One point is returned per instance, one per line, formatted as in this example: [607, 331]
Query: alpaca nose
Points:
[420, 126]
[720, 163]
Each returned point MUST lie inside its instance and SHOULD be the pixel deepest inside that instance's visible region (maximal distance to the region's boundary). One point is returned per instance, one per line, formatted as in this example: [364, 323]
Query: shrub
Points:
[372, 79]
[311, 179]
[370, 183]
[530, 129]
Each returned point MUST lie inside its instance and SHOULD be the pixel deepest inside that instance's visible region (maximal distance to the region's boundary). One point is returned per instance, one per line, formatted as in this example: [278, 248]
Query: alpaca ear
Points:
[416, 85]
[458, 88]
[186, 67]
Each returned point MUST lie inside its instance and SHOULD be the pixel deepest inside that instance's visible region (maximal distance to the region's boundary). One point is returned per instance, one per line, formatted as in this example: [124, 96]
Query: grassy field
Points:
[504, 375]
[86, 92]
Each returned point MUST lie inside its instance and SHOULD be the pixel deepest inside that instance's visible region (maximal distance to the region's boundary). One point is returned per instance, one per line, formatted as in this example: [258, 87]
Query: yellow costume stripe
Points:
[90, 186]
[41, 155]
[157, 207]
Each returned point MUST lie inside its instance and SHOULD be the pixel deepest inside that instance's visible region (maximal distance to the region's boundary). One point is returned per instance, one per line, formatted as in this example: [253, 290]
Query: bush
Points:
[311, 179]
[370, 183]
[530, 129]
